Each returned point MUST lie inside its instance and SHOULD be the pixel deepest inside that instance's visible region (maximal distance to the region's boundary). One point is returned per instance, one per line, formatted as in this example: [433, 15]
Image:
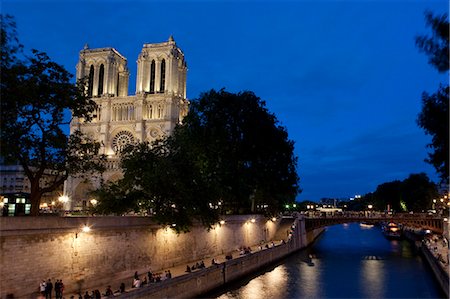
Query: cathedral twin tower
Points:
[159, 104]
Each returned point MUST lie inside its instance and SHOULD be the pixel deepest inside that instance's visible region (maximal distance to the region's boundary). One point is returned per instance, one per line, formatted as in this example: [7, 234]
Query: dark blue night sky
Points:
[344, 77]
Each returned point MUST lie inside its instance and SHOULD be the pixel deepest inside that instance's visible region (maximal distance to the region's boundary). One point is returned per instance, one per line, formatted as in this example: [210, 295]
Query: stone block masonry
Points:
[37, 248]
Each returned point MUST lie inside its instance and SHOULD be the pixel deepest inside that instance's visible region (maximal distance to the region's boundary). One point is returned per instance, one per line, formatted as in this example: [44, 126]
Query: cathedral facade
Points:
[153, 112]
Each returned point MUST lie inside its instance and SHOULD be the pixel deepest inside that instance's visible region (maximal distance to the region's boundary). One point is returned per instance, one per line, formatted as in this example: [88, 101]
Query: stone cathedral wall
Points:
[37, 248]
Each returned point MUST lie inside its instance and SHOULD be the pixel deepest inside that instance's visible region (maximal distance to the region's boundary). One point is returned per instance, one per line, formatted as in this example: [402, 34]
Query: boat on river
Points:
[391, 230]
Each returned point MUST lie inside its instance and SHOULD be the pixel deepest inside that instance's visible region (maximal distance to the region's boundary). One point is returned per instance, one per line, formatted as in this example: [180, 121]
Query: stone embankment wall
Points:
[37, 248]
[196, 284]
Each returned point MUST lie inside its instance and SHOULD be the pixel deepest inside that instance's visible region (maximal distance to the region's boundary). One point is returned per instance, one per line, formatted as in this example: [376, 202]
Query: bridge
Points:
[421, 221]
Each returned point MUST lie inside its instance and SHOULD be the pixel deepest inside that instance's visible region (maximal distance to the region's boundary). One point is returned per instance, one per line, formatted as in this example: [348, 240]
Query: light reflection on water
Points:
[348, 261]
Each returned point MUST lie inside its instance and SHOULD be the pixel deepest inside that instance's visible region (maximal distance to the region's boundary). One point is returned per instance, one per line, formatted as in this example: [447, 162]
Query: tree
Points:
[418, 192]
[230, 155]
[36, 93]
[434, 117]
[245, 148]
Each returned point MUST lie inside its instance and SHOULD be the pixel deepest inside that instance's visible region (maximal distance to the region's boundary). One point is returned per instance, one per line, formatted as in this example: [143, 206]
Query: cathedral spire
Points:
[171, 38]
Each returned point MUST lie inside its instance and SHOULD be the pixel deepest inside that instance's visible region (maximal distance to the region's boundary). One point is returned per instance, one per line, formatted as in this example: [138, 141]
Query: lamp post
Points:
[370, 209]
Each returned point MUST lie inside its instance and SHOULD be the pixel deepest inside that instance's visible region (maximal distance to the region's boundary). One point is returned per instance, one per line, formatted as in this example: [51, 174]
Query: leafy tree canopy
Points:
[434, 117]
[230, 155]
[35, 93]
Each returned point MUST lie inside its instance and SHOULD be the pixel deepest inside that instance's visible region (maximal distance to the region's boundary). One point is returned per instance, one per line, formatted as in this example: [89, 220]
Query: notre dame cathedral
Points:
[159, 104]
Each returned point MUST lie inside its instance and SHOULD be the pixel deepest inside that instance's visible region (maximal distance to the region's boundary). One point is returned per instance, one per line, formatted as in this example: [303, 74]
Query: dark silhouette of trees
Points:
[434, 117]
[35, 94]
[230, 155]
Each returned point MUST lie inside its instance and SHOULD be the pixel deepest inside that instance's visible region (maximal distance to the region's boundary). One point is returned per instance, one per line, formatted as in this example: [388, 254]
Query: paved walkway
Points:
[176, 271]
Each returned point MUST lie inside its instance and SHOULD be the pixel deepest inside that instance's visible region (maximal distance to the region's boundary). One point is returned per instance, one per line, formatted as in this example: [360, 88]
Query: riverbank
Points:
[203, 280]
[435, 250]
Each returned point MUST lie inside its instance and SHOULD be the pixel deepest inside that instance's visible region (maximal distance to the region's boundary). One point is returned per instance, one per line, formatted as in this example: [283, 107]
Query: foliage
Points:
[245, 149]
[437, 46]
[36, 93]
[434, 117]
[416, 193]
[230, 155]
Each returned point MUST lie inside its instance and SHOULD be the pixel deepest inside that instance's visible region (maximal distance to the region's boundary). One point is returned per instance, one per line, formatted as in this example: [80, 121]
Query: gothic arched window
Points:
[152, 77]
[101, 75]
[163, 76]
[91, 81]
[118, 84]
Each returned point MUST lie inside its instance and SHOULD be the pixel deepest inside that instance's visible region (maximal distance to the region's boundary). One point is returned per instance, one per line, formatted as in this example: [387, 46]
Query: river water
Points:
[346, 261]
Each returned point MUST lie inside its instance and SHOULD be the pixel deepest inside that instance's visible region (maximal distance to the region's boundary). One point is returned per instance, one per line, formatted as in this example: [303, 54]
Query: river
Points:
[346, 261]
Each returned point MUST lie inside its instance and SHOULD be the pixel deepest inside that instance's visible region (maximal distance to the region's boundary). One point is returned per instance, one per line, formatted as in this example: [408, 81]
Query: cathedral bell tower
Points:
[153, 112]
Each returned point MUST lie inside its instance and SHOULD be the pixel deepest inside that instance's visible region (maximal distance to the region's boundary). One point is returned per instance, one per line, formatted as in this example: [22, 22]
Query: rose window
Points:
[121, 140]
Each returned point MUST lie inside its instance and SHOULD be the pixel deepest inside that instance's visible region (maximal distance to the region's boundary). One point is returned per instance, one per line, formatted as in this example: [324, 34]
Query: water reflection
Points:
[348, 261]
[272, 284]
[372, 276]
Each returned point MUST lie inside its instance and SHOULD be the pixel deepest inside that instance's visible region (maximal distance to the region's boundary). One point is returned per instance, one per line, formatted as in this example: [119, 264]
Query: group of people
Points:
[95, 294]
[46, 288]
[196, 266]
[439, 247]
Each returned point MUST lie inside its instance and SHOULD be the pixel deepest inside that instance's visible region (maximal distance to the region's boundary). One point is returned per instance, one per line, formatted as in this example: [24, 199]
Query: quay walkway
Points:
[176, 271]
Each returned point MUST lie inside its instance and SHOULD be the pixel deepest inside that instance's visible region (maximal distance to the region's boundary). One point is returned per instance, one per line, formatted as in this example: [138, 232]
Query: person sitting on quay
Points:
[109, 292]
[122, 288]
[213, 262]
[229, 257]
[188, 269]
[136, 283]
[202, 265]
[150, 276]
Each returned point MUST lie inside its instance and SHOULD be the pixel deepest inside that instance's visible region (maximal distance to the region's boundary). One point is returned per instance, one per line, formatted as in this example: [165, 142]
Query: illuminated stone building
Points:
[153, 112]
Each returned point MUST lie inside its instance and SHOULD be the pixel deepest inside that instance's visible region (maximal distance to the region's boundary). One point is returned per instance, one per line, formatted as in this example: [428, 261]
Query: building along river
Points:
[346, 261]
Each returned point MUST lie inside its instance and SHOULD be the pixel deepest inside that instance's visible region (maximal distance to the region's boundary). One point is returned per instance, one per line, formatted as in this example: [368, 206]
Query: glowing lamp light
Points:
[274, 219]
[370, 206]
[94, 202]
[53, 203]
[442, 200]
[174, 224]
[222, 222]
[445, 219]
[63, 199]
[253, 220]
[85, 229]
[434, 200]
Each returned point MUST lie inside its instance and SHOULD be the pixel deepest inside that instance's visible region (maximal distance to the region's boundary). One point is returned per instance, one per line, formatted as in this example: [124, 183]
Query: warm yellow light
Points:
[86, 229]
[445, 219]
[44, 205]
[53, 203]
[442, 200]
[253, 220]
[274, 219]
[222, 222]
[370, 206]
[63, 199]
[434, 200]
[2, 204]
[94, 201]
